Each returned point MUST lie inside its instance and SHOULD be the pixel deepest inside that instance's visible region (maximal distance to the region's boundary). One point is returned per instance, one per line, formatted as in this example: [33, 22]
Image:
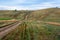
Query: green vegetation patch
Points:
[5, 18]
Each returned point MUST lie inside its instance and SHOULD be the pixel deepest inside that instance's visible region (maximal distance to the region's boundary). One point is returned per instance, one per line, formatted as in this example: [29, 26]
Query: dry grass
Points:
[34, 31]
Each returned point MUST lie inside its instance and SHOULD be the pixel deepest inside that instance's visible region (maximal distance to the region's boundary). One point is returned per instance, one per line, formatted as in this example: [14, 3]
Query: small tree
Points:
[15, 10]
[56, 7]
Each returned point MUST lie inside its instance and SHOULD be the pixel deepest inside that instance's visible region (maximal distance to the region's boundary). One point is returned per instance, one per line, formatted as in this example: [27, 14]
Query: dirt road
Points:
[6, 31]
[53, 23]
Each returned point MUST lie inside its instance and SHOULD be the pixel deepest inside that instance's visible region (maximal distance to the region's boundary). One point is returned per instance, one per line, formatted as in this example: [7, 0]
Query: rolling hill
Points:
[36, 24]
[50, 14]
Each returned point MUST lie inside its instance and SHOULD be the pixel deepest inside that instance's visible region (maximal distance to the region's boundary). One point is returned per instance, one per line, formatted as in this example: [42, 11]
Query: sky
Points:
[28, 4]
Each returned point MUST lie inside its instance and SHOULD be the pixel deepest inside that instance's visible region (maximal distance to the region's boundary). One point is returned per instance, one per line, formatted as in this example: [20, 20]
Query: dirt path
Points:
[6, 31]
[7, 26]
[53, 23]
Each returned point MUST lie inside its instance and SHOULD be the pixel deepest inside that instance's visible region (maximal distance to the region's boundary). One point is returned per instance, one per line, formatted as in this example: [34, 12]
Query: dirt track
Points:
[6, 31]
[53, 23]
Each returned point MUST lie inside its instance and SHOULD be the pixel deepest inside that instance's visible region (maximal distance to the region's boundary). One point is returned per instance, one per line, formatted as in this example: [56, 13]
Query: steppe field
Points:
[41, 24]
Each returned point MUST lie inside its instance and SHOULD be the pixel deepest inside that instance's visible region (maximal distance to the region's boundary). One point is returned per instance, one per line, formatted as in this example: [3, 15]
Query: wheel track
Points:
[52, 23]
[5, 31]
[7, 26]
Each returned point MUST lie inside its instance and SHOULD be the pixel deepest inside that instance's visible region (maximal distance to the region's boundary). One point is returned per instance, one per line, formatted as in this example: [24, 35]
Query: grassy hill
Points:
[34, 27]
[50, 14]
[13, 14]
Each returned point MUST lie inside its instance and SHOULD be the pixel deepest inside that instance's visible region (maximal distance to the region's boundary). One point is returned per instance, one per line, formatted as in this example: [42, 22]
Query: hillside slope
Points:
[50, 14]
